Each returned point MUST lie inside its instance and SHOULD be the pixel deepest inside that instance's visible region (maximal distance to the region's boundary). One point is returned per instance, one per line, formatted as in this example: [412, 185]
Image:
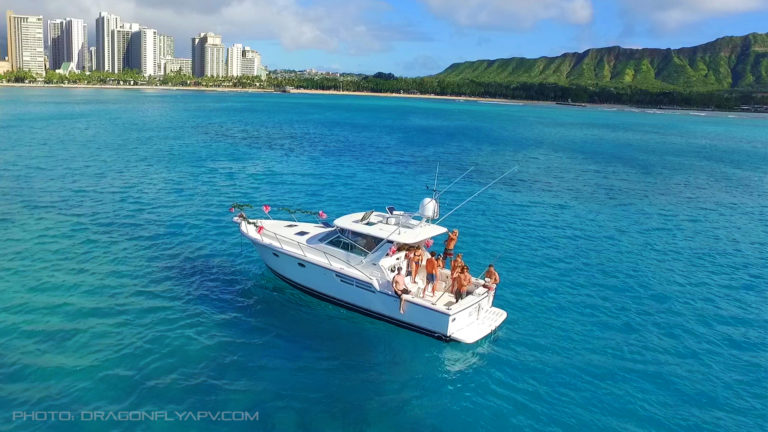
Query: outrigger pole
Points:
[454, 182]
[476, 193]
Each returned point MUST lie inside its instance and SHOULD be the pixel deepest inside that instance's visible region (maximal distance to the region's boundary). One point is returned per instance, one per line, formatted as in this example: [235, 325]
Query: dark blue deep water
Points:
[632, 247]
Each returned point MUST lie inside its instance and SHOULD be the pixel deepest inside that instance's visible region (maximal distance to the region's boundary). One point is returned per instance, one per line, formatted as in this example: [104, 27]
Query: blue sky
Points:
[421, 37]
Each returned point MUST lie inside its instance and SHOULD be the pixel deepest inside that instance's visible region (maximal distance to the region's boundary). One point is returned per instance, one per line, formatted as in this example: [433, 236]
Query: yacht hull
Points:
[320, 296]
[365, 287]
[336, 287]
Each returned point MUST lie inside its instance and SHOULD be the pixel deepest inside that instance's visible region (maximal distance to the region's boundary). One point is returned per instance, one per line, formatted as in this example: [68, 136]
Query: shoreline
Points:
[300, 91]
[137, 87]
[391, 95]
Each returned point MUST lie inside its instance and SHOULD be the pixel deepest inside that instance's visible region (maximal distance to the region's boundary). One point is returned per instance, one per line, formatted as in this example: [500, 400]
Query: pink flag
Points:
[321, 214]
[266, 208]
[429, 243]
[260, 229]
[231, 209]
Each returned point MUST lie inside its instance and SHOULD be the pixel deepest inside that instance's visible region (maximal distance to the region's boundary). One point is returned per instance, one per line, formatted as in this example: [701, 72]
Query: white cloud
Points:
[328, 25]
[510, 14]
[669, 14]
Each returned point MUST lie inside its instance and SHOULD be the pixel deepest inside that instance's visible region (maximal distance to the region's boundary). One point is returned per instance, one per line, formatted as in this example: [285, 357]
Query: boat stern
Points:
[475, 318]
[481, 327]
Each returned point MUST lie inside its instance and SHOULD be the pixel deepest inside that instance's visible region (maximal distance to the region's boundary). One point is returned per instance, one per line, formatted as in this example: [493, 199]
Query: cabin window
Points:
[342, 243]
[364, 241]
[327, 236]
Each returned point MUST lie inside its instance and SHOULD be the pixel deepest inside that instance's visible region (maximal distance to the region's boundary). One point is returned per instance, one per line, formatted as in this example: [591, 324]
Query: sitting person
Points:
[398, 286]
[463, 280]
[491, 278]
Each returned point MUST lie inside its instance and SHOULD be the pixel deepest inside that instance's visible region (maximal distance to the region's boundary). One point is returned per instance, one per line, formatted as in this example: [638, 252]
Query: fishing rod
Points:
[477, 193]
[454, 182]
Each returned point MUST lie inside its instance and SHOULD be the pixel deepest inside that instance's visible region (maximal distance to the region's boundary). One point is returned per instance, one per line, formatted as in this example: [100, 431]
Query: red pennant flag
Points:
[266, 208]
[322, 214]
[260, 229]
[231, 209]
[428, 244]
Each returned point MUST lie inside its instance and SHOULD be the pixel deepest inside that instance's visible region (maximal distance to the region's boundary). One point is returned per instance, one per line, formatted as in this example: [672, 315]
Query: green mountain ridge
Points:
[727, 63]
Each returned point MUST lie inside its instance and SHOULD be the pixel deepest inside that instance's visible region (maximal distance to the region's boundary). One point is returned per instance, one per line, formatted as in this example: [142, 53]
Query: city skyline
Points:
[119, 45]
[425, 36]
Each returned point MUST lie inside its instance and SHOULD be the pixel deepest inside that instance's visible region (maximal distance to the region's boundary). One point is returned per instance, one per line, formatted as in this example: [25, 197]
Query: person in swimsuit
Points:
[431, 273]
[456, 265]
[450, 243]
[463, 279]
[492, 277]
[398, 286]
[418, 256]
[407, 260]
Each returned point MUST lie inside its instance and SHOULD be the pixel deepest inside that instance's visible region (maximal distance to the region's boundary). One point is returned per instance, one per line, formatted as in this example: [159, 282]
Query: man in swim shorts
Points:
[450, 243]
[398, 285]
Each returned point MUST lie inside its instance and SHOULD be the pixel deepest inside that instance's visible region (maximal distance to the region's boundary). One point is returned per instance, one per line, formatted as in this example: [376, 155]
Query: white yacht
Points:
[352, 262]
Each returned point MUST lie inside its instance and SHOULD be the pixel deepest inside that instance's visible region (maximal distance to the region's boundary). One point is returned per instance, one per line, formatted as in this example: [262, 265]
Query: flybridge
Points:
[397, 226]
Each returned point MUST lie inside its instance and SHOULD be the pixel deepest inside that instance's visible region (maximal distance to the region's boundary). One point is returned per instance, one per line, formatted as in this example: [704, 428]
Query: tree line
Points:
[389, 83]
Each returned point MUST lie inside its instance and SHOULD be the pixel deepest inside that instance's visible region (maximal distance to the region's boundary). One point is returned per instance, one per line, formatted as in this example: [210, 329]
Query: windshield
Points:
[351, 241]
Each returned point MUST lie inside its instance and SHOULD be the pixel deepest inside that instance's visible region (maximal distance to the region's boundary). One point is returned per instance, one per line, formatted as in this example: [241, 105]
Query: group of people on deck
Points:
[460, 278]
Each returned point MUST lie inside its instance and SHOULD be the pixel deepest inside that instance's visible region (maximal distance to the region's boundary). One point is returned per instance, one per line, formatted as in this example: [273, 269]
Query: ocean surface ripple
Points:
[632, 247]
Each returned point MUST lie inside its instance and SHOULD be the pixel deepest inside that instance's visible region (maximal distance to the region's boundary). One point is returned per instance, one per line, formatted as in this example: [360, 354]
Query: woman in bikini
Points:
[417, 257]
[456, 265]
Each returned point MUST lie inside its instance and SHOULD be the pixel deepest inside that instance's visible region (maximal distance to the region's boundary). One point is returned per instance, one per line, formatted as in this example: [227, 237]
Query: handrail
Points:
[305, 254]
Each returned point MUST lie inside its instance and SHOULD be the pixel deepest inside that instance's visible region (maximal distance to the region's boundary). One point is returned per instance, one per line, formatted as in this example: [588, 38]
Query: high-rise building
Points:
[76, 42]
[208, 55]
[234, 60]
[165, 51]
[251, 62]
[126, 47]
[91, 59]
[56, 44]
[105, 23]
[165, 46]
[67, 42]
[147, 51]
[173, 65]
[25, 42]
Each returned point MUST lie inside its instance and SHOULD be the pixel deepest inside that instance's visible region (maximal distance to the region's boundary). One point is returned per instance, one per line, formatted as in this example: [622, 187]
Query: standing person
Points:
[456, 265]
[398, 285]
[407, 260]
[431, 273]
[418, 257]
[450, 243]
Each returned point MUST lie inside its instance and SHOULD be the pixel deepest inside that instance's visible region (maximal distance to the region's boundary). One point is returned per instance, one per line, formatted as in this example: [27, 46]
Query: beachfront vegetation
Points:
[724, 64]
[726, 73]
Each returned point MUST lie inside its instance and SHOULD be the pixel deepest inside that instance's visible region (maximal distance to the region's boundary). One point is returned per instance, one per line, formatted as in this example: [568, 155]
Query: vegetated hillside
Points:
[734, 62]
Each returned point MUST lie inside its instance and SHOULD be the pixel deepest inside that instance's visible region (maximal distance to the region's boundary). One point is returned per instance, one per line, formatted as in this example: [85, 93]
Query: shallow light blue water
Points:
[632, 247]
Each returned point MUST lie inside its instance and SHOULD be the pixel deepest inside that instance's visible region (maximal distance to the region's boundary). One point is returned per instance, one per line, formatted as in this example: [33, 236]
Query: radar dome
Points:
[429, 208]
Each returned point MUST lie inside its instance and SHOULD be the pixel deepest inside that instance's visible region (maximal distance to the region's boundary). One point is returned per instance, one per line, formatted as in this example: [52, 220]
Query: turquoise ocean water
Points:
[632, 248]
